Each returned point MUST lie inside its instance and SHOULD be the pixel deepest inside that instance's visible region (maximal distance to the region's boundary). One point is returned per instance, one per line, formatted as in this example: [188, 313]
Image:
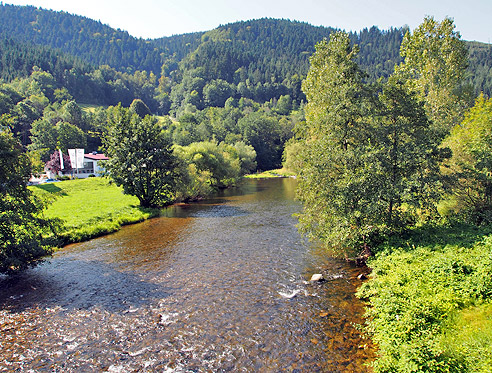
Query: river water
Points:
[220, 285]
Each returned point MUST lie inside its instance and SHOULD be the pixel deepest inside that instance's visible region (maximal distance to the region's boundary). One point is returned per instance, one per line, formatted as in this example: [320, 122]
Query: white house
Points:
[91, 165]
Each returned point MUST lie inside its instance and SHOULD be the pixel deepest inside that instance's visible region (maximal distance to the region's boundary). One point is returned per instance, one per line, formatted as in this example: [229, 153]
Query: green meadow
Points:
[89, 208]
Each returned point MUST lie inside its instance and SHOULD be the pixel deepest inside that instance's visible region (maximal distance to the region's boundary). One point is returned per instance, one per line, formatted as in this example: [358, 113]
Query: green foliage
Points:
[434, 65]
[414, 297]
[267, 134]
[370, 165]
[24, 232]
[334, 182]
[219, 162]
[217, 92]
[470, 165]
[206, 166]
[138, 107]
[406, 158]
[140, 157]
[247, 157]
[60, 127]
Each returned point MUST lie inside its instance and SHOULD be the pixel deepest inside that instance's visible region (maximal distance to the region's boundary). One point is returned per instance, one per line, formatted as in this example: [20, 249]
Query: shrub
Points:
[413, 297]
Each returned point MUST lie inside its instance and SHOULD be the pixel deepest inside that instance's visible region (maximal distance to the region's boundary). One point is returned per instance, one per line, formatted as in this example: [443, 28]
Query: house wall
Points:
[91, 167]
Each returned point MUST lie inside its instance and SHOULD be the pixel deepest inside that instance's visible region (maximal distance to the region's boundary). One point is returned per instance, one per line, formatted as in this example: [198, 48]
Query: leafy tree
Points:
[247, 157]
[265, 134]
[70, 136]
[220, 162]
[291, 156]
[23, 231]
[72, 113]
[471, 163]
[217, 92]
[43, 138]
[367, 165]
[139, 108]
[140, 157]
[334, 183]
[284, 105]
[54, 164]
[47, 137]
[434, 65]
[407, 157]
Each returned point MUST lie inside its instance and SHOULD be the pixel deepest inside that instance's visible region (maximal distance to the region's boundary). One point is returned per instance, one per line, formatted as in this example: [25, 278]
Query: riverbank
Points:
[89, 208]
[168, 294]
[429, 300]
[92, 207]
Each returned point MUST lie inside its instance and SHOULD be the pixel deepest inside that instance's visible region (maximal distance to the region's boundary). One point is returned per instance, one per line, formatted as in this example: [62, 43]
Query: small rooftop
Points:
[96, 157]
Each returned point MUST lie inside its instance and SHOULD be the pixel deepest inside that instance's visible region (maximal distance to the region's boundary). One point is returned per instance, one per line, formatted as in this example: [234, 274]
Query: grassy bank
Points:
[90, 207]
[281, 172]
[429, 301]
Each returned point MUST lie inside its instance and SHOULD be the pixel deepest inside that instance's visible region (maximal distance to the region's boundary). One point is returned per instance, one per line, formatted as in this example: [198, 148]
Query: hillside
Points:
[92, 41]
[260, 59]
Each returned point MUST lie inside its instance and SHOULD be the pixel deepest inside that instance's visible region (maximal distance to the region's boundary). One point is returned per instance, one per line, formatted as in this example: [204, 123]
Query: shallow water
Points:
[213, 286]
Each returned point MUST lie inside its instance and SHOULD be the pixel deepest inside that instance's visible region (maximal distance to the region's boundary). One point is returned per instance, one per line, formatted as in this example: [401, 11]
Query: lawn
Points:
[90, 207]
[281, 172]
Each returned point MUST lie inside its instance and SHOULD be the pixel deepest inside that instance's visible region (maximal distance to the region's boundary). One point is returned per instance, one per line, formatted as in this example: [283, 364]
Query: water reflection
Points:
[214, 286]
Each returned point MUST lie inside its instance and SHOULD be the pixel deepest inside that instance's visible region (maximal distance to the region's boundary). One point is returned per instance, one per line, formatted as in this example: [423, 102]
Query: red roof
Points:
[96, 157]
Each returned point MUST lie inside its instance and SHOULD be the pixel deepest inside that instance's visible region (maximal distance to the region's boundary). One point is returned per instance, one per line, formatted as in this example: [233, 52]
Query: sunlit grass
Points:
[469, 337]
[89, 108]
[280, 172]
[90, 207]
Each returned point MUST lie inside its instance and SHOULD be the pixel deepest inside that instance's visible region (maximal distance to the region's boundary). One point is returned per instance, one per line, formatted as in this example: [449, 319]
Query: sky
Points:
[158, 18]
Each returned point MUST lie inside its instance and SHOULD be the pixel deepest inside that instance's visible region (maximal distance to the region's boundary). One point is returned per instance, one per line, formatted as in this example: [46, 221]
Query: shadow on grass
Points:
[50, 188]
[456, 234]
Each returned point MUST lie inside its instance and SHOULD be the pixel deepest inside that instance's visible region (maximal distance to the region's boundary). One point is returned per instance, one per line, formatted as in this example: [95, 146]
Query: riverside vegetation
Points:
[397, 167]
[402, 170]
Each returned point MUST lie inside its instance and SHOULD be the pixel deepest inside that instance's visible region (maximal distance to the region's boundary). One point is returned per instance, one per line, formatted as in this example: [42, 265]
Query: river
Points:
[220, 285]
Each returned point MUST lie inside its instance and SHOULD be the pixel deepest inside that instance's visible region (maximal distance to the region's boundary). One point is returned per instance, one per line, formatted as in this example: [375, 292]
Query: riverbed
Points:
[220, 285]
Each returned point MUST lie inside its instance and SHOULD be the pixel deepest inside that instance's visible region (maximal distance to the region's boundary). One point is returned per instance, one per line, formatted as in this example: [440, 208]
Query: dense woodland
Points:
[259, 60]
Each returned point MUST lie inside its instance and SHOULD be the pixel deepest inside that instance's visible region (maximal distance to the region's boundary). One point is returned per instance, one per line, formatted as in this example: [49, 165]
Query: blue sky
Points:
[157, 18]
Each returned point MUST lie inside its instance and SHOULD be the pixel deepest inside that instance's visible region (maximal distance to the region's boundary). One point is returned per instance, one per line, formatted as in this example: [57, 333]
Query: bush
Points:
[414, 297]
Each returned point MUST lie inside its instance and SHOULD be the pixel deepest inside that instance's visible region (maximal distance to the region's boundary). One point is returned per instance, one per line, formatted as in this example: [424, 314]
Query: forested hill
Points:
[259, 59]
[90, 40]
[272, 49]
[278, 47]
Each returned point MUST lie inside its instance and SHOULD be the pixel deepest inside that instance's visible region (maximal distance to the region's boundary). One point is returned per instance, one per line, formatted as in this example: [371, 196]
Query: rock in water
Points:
[317, 277]
[362, 276]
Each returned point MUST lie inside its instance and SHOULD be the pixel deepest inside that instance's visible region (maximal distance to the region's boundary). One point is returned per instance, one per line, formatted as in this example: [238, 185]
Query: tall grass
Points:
[90, 207]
